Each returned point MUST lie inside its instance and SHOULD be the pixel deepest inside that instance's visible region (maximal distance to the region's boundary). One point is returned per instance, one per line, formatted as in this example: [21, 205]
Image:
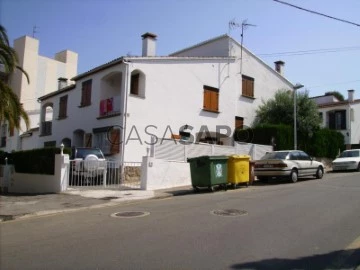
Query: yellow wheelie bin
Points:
[239, 170]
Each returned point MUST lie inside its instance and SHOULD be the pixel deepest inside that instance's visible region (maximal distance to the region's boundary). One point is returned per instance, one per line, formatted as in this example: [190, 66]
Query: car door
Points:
[307, 164]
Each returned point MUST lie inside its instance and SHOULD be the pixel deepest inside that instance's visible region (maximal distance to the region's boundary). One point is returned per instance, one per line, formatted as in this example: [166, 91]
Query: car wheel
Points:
[293, 176]
[319, 173]
[263, 179]
[358, 169]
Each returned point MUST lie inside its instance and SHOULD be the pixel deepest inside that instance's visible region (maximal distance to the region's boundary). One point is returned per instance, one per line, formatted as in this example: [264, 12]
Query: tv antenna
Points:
[244, 25]
[34, 30]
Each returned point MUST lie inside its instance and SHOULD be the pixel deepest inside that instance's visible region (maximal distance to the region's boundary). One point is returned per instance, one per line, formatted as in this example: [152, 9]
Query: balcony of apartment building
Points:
[110, 99]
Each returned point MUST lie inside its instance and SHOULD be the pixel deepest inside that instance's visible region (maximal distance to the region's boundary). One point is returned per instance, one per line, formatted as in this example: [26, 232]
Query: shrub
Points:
[36, 161]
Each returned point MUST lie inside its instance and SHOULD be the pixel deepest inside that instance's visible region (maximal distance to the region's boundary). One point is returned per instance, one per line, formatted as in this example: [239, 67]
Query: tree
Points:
[280, 110]
[336, 94]
[11, 110]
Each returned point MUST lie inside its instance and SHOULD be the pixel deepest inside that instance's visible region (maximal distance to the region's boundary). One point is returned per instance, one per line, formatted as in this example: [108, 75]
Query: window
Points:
[86, 93]
[247, 86]
[239, 122]
[63, 107]
[134, 86]
[211, 99]
[107, 139]
[337, 120]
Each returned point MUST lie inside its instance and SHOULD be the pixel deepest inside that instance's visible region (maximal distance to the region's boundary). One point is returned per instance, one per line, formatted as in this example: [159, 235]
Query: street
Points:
[312, 224]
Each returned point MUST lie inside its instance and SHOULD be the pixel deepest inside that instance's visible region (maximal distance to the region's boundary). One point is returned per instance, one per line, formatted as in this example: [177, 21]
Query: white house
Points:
[342, 116]
[44, 73]
[126, 104]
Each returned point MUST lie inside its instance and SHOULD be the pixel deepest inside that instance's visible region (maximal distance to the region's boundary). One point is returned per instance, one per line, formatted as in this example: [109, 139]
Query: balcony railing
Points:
[46, 128]
[109, 106]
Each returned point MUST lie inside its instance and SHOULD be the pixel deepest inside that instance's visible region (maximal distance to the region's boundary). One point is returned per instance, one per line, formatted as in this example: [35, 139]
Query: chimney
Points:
[62, 82]
[279, 67]
[148, 44]
[351, 95]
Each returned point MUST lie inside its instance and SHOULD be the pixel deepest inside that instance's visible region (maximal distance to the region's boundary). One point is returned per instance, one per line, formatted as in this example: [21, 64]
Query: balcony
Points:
[109, 107]
[46, 128]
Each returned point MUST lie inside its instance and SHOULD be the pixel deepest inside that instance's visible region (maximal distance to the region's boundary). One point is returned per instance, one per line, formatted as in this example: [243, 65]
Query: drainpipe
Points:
[126, 63]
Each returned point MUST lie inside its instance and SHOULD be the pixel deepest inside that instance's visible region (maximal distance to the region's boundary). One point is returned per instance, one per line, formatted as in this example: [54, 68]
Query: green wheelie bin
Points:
[208, 172]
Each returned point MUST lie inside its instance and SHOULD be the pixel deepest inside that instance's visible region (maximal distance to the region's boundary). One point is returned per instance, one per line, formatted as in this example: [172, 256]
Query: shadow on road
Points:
[343, 259]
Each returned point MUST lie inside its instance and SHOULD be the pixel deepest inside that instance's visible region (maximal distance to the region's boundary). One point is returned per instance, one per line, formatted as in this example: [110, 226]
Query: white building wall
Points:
[44, 73]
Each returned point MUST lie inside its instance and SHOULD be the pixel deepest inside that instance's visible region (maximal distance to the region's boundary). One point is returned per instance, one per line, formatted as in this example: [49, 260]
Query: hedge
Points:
[323, 142]
[35, 161]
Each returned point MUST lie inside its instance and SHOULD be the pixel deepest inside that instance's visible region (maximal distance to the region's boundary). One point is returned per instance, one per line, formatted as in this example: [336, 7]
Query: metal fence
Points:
[104, 174]
[175, 151]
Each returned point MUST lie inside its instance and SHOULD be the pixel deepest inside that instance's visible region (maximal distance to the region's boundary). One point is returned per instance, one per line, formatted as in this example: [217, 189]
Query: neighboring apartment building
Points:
[126, 104]
[343, 116]
[44, 73]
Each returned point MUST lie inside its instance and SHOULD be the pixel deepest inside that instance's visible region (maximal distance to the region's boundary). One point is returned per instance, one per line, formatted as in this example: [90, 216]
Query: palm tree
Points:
[11, 110]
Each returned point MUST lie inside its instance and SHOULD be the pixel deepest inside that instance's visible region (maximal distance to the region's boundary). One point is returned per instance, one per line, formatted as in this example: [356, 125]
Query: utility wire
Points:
[315, 51]
[317, 13]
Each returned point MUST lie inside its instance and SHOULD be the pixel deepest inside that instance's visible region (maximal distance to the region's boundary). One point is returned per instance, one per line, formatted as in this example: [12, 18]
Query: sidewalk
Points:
[19, 206]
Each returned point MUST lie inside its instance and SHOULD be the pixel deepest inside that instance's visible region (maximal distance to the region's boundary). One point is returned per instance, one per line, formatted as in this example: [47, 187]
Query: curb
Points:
[9, 218]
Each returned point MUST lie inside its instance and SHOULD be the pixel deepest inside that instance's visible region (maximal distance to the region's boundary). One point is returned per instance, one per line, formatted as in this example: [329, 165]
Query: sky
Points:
[328, 50]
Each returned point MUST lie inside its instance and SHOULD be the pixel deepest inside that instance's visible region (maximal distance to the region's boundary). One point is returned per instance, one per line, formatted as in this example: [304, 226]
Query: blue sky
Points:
[102, 30]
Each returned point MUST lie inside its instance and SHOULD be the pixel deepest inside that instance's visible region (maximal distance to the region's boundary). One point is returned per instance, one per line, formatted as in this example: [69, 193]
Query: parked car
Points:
[87, 165]
[290, 164]
[348, 160]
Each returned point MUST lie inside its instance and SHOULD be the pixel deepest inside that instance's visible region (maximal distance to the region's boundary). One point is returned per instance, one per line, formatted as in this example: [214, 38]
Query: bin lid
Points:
[208, 157]
[247, 157]
[195, 158]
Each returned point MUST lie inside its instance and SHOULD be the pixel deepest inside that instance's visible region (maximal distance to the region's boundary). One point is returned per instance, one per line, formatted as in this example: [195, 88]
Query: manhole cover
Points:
[130, 214]
[229, 212]
[109, 198]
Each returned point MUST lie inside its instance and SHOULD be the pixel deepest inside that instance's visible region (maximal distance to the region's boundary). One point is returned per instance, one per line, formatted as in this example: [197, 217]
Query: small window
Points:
[134, 86]
[211, 99]
[63, 107]
[239, 122]
[247, 86]
[86, 93]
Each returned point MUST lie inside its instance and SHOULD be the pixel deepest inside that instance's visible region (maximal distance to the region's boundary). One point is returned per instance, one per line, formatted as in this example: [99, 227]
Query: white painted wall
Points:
[160, 174]
[37, 184]
[173, 96]
[352, 118]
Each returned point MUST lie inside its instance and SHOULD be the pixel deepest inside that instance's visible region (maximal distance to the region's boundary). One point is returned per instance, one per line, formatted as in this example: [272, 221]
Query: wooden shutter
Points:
[247, 86]
[211, 99]
[207, 100]
[115, 141]
[63, 107]
[86, 93]
[134, 87]
[88, 140]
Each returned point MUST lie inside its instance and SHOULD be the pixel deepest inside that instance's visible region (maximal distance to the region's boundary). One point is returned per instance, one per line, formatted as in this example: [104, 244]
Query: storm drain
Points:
[229, 212]
[130, 214]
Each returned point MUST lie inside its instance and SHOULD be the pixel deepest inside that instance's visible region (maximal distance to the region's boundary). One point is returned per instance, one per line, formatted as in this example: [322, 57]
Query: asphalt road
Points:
[313, 224]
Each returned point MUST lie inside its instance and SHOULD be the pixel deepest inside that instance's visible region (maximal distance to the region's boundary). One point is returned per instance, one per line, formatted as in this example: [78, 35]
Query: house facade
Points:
[342, 116]
[204, 91]
[43, 73]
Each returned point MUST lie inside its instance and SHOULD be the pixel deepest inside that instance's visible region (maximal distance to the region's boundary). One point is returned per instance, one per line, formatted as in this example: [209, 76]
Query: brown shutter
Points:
[88, 140]
[207, 99]
[214, 101]
[115, 141]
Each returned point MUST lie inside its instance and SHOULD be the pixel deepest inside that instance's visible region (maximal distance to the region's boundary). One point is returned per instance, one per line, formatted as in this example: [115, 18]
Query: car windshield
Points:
[349, 154]
[275, 155]
[83, 152]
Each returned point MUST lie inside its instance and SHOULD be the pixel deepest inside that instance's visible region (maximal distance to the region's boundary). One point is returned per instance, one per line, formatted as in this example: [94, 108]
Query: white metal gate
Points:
[104, 174]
